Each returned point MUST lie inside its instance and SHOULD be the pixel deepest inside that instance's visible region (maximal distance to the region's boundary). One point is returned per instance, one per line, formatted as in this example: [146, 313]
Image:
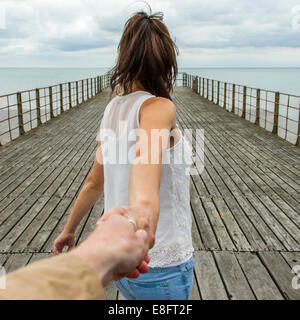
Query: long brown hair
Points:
[147, 55]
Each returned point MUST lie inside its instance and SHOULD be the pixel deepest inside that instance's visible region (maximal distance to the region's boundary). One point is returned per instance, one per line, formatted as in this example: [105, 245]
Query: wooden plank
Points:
[111, 292]
[281, 273]
[220, 230]
[262, 228]
[197, 242]
[206, 232]
[208, 278]
[292, 258]
[21, 243]
[237, 285]
[258, 277]
[94, 216]
[16, 261]
[195, 293]
[41, 238]
[284, 237]
[20, 221]
[3, 258]
[255, 239]
[233, 228]
[7, 224]
[39, 256]
[290, 224]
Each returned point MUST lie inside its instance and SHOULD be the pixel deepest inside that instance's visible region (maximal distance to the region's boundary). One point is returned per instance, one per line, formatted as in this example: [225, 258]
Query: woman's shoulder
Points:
[158, 108]
[159, 104]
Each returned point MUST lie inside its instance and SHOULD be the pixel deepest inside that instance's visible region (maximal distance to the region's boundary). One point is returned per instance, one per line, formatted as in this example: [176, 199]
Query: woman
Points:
[141, 157]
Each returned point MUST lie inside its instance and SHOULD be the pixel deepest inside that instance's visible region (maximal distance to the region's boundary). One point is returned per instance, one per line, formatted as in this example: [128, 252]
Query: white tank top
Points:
[173, 239]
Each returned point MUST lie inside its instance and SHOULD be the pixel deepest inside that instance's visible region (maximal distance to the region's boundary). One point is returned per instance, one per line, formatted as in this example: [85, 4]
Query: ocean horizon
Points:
[282, 79]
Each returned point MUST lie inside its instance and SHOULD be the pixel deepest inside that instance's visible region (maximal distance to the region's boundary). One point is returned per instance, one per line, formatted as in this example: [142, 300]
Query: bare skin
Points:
[114, 248]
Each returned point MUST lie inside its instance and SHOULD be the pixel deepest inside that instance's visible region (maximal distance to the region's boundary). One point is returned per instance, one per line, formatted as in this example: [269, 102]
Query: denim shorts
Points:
[172, 283]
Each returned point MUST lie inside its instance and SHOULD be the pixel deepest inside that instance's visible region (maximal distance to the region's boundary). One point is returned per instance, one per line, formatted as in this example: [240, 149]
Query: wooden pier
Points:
[245, 205]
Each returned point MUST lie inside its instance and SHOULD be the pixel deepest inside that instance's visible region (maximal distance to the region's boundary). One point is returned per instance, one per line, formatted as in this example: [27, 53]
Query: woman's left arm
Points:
[89, 194]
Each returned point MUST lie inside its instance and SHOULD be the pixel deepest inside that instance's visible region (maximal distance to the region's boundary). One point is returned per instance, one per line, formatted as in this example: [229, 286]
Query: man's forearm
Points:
[66, 276]
[86, 199]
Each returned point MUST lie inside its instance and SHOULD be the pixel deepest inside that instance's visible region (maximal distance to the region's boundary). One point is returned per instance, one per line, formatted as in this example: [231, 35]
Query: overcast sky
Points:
[209, 33]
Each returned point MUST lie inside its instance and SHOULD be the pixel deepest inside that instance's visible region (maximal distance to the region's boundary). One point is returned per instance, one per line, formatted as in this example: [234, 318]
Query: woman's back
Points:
[119, 132]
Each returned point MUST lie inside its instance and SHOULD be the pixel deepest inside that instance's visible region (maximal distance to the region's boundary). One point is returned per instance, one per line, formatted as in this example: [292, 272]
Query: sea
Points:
[285, 80]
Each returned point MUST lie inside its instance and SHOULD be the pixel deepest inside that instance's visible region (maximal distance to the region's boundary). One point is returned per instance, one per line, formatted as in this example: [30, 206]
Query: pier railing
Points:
[275, 112]
[22, 111]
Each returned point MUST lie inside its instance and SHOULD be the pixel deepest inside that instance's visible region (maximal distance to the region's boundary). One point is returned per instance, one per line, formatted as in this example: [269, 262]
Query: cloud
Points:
[57, 28]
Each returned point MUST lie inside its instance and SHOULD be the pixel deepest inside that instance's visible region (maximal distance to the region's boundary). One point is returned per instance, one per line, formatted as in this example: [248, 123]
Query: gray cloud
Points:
[59, 27]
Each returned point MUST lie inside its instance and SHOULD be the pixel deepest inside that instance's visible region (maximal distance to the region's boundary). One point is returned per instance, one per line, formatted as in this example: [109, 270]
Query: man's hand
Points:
[140, 214]
[115, 249]
[142, 218]
[63, 240]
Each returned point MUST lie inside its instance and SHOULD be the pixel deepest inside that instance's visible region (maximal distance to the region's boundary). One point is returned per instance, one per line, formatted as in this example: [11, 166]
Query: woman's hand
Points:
[115, 249]
[140, 214]
[63, 240]
[142, 218]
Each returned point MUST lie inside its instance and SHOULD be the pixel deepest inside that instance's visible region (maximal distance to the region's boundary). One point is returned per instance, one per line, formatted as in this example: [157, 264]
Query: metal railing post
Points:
[233, 99]
[207, 89]
[38, 106]
[51, 103]
[225, 95]
[70, 94]
[218, 94]
[20, 113]
[199, 85]
[87, 89]
[298, 136]
[244, 102]
[82, 90]
[61, 89]
[257, 116]
[77, 93]
[276, 113]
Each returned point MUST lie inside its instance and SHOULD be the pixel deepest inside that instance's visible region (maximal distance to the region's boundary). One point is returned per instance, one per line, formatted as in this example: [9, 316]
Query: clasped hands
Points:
[117, 247]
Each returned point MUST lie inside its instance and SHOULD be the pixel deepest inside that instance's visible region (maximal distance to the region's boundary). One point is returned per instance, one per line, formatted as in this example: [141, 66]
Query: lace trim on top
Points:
[174, 252]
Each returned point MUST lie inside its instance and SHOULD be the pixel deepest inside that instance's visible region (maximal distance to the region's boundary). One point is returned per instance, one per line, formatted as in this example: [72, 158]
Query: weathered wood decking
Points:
[246, 204]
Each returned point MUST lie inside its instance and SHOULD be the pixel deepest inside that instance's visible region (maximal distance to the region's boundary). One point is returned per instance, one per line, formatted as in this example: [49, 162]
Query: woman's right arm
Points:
[88, 196]
[157, 117]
